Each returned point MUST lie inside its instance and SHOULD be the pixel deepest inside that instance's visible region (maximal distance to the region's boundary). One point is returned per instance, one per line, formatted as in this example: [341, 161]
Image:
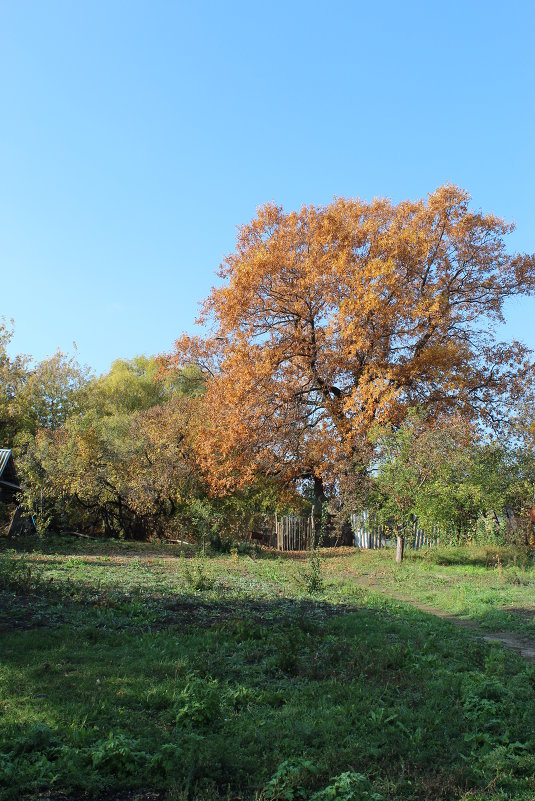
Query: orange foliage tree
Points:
[333, 319]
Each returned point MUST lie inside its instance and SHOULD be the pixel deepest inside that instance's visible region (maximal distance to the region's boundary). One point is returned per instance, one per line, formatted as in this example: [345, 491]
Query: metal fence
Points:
[369, 534]
[296, 533]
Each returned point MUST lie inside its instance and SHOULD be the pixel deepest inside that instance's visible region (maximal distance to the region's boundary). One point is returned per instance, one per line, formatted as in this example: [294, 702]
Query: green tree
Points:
[53, 390]
[13, 374]
[116, 459]
[441, 472]
[414, 460]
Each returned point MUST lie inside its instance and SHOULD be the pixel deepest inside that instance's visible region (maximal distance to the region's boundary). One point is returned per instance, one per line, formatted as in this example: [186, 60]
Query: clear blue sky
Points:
[135, 136]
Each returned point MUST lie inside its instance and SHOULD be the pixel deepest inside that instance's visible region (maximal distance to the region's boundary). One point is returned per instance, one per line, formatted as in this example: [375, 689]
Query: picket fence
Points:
[369, 534]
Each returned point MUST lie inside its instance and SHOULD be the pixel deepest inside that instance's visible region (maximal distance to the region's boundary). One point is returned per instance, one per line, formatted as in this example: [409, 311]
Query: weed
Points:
[196, 576]
[286, 660]
[199, 703]
[312, 575]
[18, 575]
[118, 755]
[348, 786]
[290, 781]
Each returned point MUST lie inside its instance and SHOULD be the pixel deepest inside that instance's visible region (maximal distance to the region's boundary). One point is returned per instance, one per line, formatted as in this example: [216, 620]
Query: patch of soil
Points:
[523, 646]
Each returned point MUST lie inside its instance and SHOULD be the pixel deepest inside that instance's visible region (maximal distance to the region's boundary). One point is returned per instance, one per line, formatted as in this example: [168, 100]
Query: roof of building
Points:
[8, 474]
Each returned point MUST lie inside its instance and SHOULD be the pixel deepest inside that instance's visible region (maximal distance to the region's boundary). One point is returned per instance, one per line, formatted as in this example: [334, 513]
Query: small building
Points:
[17, 521]
[9, 481]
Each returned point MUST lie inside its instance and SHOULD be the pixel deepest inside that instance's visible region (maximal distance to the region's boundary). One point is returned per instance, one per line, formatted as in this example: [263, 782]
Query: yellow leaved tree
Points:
[334, 319]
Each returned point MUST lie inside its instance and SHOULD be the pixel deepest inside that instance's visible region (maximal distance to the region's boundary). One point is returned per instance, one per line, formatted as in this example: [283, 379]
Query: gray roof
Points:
[5, 453]
[8, 474]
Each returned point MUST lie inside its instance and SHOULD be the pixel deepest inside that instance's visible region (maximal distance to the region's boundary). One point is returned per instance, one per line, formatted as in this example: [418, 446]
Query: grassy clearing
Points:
[130, 667]
[494, 587]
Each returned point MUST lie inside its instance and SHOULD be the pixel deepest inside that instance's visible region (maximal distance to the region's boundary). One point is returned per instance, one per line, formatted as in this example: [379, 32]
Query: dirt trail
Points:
[522, 645]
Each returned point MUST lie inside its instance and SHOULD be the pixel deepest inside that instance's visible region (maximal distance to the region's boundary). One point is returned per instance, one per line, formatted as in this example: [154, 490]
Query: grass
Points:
[494, 587]
[129, 667]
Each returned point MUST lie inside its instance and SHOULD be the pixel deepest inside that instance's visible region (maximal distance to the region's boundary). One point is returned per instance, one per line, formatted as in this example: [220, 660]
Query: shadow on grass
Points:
[160, 690]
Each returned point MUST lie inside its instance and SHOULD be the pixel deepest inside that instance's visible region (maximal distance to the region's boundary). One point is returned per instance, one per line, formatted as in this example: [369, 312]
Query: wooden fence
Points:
[293, 533]
[370, 534]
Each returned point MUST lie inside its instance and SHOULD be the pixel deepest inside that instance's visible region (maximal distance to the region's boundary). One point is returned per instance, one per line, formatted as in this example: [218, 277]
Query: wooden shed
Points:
[9, 481]
[17, 521]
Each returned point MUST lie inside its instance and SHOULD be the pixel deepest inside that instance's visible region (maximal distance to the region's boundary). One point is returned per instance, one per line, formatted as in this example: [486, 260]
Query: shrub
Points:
[312, 577]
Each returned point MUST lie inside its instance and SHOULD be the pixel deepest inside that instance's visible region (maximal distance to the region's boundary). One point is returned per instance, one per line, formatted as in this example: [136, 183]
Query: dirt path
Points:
[522, 645]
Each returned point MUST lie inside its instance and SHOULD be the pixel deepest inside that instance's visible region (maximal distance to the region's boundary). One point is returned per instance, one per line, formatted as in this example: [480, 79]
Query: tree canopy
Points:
[351, 355]
[334, 319]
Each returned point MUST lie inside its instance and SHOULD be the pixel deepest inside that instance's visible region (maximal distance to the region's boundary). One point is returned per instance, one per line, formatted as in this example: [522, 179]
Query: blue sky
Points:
[135, 137]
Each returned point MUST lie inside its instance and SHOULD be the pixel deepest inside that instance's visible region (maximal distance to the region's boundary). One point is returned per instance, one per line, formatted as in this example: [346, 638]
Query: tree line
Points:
[351, 359]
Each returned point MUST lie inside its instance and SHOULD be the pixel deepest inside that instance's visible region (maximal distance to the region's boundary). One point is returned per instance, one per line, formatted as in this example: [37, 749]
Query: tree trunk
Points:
[400, 544]
[319, 497]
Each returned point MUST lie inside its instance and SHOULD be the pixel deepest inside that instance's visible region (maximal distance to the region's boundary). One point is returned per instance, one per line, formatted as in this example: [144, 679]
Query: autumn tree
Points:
[334, 319]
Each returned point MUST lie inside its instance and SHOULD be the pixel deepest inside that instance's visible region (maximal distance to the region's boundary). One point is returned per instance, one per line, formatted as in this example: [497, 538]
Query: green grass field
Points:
[127, 671]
